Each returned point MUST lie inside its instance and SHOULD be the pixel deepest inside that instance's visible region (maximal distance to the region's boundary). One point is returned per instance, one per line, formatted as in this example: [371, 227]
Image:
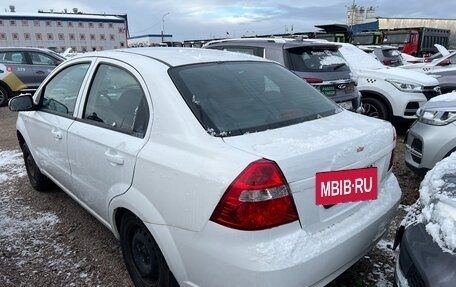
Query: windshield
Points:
[363, 39]
[317, 59]
[358, 59]
[397, 38]
[233, 98]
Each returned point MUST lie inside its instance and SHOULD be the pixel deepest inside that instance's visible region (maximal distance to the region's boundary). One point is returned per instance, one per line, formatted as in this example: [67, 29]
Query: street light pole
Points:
[163, 25]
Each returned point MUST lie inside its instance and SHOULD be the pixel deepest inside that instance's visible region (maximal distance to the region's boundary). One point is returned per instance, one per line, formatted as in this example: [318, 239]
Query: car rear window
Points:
[316, 59]
[391, 53]
[233, 98]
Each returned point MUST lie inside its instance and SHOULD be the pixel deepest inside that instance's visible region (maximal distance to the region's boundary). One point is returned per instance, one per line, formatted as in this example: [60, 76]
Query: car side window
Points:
[117, 101]
[60, 94]
[42, 59]
[12, 57]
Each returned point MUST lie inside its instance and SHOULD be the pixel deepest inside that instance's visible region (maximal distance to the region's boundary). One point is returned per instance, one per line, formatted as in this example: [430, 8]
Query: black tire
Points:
[4, 96]
[144, 261]
[39, 181]
[374, 108]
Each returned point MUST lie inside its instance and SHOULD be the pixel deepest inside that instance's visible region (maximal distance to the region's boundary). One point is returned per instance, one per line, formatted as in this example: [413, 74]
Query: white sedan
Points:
[212, 168]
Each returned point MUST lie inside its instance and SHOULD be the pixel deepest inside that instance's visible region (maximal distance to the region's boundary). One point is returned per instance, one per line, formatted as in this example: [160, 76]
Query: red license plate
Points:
[346, 186]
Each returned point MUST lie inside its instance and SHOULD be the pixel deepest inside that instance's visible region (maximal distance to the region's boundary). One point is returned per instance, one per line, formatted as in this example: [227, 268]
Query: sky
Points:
[207, 19]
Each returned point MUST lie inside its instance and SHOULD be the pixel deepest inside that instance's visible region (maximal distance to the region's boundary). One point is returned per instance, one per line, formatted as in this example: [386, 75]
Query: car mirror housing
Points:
[22, 102]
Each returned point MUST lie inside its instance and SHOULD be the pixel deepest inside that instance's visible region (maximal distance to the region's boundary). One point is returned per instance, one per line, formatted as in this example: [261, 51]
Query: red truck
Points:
[417, 41]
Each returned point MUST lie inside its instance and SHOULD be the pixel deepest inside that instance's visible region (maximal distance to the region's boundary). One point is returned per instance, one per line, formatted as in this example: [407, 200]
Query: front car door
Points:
[16, 63]
[42, 65]
[48, 124]
[107, 136]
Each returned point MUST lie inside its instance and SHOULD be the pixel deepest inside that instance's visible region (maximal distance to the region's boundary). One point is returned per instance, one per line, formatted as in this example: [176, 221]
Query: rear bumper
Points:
[286, 256]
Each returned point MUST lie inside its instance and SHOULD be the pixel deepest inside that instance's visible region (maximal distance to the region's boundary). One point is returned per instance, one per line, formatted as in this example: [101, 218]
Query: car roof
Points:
[174, 56]
[268, 42]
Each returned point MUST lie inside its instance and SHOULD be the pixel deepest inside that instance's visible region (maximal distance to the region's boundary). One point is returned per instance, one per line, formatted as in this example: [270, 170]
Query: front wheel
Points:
[39, 181]
[374, 108]
[143, 258]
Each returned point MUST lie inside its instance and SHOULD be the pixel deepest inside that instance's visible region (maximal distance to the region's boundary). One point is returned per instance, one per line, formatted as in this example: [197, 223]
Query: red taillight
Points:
[387, 62]
[9, 68]
[258, 198]
[313, 80]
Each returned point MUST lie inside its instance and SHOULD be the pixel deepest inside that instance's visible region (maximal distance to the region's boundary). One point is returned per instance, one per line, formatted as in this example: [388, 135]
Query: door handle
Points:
[41, 72]
[114, 158]
[57, 134]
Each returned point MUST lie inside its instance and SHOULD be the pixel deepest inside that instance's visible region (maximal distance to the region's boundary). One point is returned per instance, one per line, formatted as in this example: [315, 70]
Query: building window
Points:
[70, 24]
[50, 36]
[100, 25]
[94, 48]
[15, 36]
[111, 37]
[25, 23]
[62, 48]
[101, 48]
[82, 36]
[59, 24]
[110, 25]
[61, 36]
[122, 44]
[80, 24]
[38, 36]
[48, 24]
[71, 36]
[102, 37]
[121, 30]
[27, 36]
[1, 22]
[2, 36]
[84, 48]
[13, 22]
[36, 23]
[90, 25]
[92, 36]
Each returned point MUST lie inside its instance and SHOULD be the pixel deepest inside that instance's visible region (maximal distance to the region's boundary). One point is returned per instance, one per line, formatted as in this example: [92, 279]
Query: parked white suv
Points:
[212, 168]
[388, 93]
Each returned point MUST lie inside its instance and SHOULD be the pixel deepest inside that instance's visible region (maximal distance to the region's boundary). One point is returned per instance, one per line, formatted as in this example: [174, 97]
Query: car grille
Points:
[430, 92]
[409, 270]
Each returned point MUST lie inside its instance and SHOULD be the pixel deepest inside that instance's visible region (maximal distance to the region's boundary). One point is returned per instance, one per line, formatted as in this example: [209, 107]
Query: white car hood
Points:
[399, 74]
[343, 141]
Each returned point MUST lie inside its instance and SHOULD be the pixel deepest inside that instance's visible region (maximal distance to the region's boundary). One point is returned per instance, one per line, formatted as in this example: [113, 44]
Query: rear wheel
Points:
[4, 96]
[39, 181]
[143, 258]
[374, 108]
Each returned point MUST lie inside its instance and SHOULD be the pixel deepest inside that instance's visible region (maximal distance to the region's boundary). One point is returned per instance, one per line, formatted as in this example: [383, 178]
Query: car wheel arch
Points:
[162, 237]
[380, 97]
[6, 90]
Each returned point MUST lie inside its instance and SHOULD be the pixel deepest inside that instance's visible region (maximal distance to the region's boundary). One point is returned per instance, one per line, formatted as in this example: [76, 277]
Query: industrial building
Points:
[61, 30]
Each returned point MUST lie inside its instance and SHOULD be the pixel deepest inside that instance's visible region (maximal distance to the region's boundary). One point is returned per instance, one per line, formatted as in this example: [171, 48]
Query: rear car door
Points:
[107, 136]
[42, 65]
[16, 63]
[48, 125]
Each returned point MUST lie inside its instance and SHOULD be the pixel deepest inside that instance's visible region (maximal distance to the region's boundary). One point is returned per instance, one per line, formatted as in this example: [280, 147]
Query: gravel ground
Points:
[46, 239]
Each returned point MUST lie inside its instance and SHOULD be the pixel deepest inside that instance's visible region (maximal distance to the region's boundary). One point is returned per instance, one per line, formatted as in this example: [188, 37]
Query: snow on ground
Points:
[24, 232]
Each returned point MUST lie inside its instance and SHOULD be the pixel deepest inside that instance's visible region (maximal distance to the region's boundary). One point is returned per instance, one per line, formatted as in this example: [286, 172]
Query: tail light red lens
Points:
[259, 198]
[313, 80]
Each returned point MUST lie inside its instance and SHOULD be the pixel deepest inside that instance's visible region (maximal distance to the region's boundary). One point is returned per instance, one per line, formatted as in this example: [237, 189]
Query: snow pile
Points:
[438, 201]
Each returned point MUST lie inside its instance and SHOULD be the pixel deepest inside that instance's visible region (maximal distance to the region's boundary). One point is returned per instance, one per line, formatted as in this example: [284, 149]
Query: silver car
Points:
[432, 136]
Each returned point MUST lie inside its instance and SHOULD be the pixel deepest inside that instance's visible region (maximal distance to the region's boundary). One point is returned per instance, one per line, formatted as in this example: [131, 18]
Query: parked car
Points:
[200, 160]
[387, 55]
[388, 93]
[432, 136]
[319, 64]
[23, 69]
[442, 68]
[427, 255]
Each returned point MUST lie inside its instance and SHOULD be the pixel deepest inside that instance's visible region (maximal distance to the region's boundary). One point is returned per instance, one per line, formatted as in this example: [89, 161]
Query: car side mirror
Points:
[22, 102]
